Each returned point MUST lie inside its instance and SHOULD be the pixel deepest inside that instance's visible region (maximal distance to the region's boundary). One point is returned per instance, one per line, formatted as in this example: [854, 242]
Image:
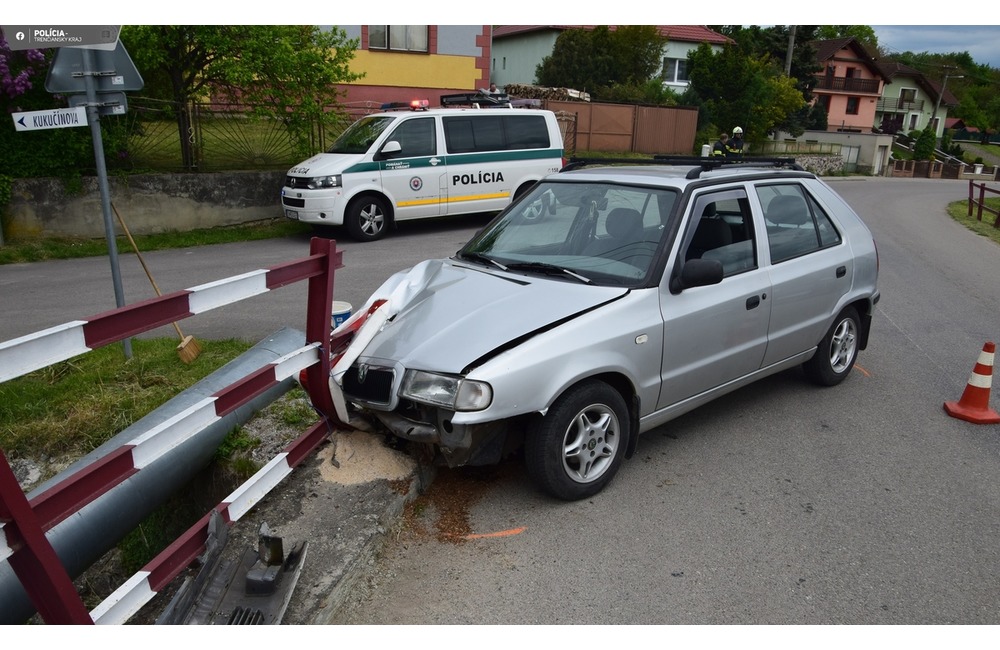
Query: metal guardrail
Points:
[23, 523]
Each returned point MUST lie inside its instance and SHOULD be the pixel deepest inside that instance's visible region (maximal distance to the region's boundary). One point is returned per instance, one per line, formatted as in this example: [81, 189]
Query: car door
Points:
[718, 333]
[413, 175]
[811, 268]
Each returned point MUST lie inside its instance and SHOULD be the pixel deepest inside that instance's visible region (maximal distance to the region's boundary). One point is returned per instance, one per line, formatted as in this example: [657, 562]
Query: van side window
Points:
[465, 134]
[416, 137]
[526, 132]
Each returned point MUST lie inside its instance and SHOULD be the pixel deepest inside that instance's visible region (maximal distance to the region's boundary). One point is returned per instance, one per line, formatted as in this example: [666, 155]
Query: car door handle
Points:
[753, 302]
[841, 271]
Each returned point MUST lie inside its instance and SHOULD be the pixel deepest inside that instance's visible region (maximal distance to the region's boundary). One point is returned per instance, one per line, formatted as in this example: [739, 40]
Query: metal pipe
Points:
[88, 534]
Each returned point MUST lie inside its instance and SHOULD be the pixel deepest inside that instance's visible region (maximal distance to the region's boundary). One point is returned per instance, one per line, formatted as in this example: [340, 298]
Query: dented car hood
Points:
[442, 315]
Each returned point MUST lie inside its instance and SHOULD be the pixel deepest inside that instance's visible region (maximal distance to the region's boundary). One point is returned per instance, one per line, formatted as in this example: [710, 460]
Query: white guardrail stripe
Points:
[5, 550]
[157, 441]
[125, 601]
[223, 292]
[35, 351]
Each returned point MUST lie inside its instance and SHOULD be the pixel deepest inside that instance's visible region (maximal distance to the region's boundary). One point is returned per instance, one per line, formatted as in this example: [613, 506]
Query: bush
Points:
[923, 149]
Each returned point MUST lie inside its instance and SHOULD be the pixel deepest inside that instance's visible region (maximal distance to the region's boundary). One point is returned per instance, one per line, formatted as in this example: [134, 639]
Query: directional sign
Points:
[57, 118]
[40, 37]
[112, 70]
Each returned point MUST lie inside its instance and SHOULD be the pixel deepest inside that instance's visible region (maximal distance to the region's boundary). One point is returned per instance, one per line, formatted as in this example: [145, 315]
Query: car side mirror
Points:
[696, 273]
[390, 149]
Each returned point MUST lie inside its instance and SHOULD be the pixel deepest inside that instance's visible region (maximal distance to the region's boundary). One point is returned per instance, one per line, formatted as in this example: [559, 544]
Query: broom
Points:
[188, 349]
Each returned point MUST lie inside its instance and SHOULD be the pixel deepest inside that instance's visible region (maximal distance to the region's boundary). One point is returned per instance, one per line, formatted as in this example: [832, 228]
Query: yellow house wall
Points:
[427, 70]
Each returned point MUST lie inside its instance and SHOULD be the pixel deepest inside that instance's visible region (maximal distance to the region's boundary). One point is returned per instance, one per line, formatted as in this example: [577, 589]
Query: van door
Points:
[481, 170]
[411, 169]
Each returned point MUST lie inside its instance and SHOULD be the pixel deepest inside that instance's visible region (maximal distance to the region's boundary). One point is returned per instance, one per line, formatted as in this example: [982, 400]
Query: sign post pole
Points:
[94, 119]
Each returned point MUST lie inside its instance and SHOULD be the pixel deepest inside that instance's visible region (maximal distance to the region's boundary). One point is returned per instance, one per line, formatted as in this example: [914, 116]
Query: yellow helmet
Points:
[737, 130]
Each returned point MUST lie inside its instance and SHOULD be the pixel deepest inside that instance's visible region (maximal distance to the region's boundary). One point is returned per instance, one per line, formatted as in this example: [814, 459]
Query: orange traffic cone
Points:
[974, 406]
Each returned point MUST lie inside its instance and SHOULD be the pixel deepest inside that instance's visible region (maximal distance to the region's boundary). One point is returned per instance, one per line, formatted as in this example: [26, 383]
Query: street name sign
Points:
[57, 118]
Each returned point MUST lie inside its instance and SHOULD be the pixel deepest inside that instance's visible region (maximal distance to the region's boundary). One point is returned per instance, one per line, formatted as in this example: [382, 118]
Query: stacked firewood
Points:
[528, 91]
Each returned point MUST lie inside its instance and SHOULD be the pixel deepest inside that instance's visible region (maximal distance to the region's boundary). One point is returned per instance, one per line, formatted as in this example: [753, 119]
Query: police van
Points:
[475, 154]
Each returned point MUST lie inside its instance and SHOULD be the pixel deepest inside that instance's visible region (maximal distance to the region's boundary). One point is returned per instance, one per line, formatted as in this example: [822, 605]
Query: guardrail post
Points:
[35, 563]
[319, 311]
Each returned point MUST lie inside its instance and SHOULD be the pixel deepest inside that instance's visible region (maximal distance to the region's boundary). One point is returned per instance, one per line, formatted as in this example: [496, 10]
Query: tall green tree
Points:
[284, 71]
[863, 33]
[608, 63]
[772, 43]
[732, 88]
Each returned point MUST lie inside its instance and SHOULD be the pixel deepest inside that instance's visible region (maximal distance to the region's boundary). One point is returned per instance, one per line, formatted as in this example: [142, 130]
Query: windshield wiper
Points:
[550, 269]
[485, 259]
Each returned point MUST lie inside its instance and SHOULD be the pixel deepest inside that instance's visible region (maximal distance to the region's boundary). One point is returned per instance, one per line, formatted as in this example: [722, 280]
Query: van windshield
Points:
[358, 137]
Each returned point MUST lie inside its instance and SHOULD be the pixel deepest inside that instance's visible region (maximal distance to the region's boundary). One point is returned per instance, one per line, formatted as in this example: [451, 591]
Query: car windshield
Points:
[358, 137]
[600, 233]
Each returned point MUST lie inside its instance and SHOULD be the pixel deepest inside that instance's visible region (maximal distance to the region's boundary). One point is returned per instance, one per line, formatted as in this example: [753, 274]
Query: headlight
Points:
[324, 181]
[453, 393]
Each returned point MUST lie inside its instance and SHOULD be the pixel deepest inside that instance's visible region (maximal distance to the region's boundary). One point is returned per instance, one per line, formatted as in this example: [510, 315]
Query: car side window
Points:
[796, 224]
[416, 137]
[721, 228]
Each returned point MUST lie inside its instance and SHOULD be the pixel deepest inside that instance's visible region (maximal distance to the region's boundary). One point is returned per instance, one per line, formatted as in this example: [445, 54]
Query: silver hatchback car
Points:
[605, 302]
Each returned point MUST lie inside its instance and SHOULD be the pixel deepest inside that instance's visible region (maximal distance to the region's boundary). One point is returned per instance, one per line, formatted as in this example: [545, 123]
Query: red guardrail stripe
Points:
[111, 326]
[66, 497]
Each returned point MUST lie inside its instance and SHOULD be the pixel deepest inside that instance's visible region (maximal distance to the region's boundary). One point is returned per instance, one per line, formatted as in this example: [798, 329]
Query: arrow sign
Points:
[58, 118]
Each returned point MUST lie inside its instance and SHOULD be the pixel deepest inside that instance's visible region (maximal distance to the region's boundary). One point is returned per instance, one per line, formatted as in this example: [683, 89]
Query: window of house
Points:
[913, 122]
[675, 70]
[404, 38]
[908, 95]
[852, 105]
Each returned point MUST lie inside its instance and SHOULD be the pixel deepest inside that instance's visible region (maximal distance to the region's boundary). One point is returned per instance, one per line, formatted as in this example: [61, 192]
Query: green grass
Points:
[57, 248]
[74, 406]
[959, 211]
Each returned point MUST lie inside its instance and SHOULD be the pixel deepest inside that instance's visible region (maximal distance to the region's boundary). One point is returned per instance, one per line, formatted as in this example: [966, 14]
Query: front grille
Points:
[293, 203]
[377, 386]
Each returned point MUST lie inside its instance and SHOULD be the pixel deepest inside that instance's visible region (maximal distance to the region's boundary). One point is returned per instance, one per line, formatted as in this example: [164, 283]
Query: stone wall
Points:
[150, 203]
[820, 164]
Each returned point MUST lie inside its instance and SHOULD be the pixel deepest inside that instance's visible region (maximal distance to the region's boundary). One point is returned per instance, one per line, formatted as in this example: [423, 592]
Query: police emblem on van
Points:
[416, 183]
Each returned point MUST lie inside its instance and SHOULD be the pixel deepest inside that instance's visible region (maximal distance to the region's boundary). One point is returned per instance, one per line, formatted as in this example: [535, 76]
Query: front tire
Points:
[575, 450]
[837, 352]
[367, 218]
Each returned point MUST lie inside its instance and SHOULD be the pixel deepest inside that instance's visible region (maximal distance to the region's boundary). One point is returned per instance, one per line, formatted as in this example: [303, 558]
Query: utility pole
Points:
[791, 48]
[937, 104]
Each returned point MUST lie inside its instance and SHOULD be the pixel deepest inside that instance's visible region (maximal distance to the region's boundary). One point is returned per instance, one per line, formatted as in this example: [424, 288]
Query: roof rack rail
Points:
[477, 99]
[699, 163]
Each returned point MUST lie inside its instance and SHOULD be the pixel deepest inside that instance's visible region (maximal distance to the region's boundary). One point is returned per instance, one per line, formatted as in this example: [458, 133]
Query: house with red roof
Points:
[850, 84]
[519, 49]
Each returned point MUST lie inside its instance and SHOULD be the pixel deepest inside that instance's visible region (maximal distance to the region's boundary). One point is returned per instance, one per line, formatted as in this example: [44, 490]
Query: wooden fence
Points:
[980, 202]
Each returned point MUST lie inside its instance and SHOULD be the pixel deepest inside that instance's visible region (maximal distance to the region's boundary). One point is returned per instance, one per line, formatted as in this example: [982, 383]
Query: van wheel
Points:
[366, 218]
[575, 450]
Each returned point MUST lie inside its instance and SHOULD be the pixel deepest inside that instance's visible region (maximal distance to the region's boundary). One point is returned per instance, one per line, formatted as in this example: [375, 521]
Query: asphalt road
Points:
[781, 503]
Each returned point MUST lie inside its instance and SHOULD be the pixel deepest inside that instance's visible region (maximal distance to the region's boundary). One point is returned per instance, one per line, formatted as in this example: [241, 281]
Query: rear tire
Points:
[837, 352]
[576, 449]
[367, 218]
